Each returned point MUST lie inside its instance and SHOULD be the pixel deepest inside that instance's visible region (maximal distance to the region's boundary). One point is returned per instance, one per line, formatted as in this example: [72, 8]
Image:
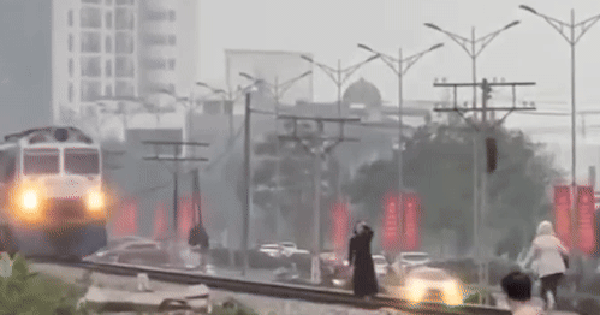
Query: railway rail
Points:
[309, 294]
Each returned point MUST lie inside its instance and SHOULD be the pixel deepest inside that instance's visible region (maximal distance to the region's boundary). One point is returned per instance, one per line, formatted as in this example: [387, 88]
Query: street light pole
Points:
[339, 76]
[278, 90]
[572, 38]
[400, 72]
[470, 47]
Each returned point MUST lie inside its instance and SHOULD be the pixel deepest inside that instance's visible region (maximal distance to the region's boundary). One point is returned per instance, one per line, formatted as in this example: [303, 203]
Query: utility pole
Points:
[482, 140]
[319, 146]
[176, 157]
[278, 90]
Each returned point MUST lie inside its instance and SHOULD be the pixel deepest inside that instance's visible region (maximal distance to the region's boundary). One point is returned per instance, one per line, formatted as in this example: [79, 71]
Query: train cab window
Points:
[82, 161]
[41, 161]
[8, 166]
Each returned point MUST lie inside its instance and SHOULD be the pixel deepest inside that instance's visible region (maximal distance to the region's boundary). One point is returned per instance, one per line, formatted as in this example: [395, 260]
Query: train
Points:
[52, 198]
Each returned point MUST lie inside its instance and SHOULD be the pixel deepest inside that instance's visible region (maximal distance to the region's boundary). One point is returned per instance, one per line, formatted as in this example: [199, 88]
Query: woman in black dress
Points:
[364, 281]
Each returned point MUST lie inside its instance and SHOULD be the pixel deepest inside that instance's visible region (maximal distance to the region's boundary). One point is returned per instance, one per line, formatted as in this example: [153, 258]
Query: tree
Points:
[438, 164]
[296, 185]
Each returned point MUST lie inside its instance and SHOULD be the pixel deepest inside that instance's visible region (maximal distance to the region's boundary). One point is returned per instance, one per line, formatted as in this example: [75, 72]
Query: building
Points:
[25, 64]
[63, 58]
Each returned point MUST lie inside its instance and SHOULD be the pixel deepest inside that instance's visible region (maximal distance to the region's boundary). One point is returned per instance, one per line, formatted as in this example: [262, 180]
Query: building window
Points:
[124, 67]
[108, 44]
[70, 67]
[160, 87]
[108, 90]
[172, 16]
[70, 92]
[125, 2]
[109, 20]
[109, 68]
[92, 1]
[124, 88]
[90, 42]
[109, 2]
[155, 64]
[70, 18]
[171, 64]
[160, 40]
[91, 17]
[90, 67]
[123, 43]
[124, 19]
[70, 42]
[156, 15]
[90, 91]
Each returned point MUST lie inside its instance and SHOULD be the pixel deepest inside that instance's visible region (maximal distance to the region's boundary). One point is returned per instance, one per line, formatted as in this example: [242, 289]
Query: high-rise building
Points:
[61, 58]
[25, 64]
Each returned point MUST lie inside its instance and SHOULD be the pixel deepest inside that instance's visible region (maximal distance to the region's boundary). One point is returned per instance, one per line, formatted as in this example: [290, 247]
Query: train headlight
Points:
[30, 201]
[95, 200]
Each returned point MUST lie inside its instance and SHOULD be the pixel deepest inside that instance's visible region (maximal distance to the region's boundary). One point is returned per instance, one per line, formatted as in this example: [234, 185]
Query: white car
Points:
[272, 250]
[290, 249]
[381, 265]
[425, 284]
[407, 260]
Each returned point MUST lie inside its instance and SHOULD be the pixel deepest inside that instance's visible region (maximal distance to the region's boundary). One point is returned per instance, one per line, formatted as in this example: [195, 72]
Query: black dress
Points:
[364, 280]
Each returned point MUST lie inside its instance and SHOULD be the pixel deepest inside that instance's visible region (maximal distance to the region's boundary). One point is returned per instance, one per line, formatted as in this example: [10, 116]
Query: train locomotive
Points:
[52, 201]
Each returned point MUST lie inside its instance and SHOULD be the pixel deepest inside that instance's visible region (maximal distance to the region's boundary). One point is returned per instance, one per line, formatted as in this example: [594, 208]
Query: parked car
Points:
[290, 249]
[271, 250]
[407, 260]
[381, 265]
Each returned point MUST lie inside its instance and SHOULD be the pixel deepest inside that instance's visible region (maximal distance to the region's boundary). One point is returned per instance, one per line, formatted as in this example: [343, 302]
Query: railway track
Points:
[309, 294]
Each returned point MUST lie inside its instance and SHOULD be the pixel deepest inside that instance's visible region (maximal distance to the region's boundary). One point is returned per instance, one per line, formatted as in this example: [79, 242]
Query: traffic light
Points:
[486, 91]
[492, 154]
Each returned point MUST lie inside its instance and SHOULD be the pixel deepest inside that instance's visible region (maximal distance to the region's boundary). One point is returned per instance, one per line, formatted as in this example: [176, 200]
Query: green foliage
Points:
[438, 164]
[232, 307]
[25, 292]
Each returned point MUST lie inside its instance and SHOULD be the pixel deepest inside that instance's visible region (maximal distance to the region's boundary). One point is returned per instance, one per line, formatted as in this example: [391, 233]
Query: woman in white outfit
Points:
[547, 251]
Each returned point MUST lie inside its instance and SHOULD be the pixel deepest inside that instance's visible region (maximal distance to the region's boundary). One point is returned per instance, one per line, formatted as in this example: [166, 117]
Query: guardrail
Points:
[315, 295]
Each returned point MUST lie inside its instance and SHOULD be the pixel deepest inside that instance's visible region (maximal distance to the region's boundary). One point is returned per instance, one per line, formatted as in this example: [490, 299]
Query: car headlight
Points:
[95, 200]
[452, 293]
[416, 289]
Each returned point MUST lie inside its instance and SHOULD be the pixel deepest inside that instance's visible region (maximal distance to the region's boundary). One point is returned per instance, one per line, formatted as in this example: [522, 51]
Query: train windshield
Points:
[82, 161]
[41, 161]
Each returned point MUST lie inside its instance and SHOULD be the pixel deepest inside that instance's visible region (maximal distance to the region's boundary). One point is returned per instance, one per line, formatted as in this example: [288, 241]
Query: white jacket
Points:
[546, 250]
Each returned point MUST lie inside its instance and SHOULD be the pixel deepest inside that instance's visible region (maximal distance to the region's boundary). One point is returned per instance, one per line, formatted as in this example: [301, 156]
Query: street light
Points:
[278, 90]
[336, 74]
[470, 47]
[472, 50]
[572, 39]
[400, 71]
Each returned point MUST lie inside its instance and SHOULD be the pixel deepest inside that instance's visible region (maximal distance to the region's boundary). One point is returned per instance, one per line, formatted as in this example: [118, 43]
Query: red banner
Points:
[562, 219]
[160, 222]
[391, 223]
[585, 219]
[412, 221]
[341, 223]
[126, 221]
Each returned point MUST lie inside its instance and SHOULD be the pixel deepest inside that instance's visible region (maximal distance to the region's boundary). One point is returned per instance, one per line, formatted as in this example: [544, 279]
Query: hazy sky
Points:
[532, 51]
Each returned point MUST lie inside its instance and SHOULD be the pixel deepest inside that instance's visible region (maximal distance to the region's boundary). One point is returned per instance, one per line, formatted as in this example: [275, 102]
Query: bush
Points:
[25, 292]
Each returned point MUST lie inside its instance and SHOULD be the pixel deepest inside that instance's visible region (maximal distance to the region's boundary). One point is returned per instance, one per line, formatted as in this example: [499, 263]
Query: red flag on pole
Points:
[562, 206]
[585, 219]
[391, 223]
[412, 221]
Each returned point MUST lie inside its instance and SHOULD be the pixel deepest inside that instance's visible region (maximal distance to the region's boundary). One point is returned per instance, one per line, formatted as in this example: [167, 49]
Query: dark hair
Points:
[517, 286]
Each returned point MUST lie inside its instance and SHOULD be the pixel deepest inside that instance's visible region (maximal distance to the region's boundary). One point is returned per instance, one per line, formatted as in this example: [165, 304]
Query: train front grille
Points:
[66, 210]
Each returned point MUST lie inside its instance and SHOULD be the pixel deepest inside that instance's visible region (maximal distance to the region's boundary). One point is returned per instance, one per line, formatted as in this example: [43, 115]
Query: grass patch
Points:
[25, 293]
